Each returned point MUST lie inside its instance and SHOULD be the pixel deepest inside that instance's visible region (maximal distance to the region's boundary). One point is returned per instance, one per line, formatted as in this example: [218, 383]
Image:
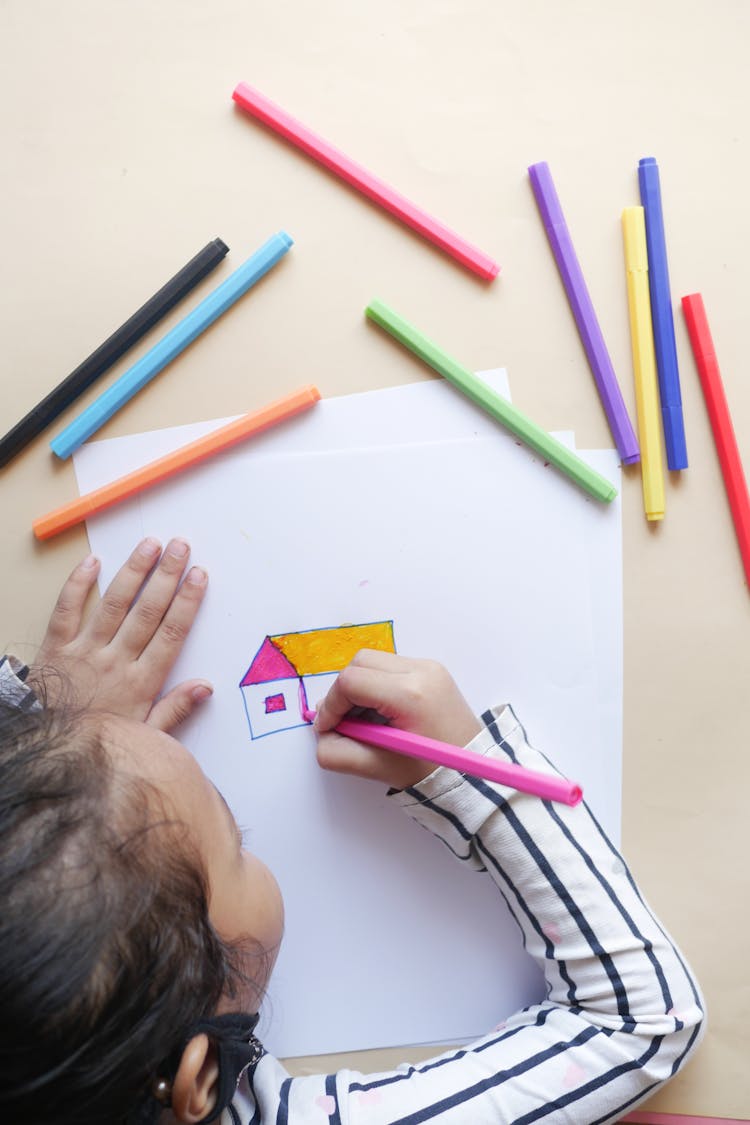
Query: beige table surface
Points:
[122, 155]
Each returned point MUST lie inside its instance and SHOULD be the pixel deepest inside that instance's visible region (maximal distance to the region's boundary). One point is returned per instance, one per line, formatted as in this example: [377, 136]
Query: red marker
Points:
[721, 422]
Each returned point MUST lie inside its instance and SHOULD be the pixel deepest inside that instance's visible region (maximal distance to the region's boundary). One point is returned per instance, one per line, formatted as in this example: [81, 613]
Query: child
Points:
[137, 936]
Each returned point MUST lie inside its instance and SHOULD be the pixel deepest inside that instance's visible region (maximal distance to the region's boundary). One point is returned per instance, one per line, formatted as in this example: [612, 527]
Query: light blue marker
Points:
[204, 314]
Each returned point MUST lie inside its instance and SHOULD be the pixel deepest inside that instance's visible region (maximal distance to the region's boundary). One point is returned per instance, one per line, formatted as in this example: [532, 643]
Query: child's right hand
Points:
[416, 695]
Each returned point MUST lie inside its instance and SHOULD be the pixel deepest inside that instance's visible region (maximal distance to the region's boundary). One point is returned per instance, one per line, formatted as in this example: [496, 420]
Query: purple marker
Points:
[583, 311]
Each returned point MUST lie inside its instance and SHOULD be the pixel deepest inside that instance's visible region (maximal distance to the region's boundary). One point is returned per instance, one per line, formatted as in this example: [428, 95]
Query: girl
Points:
[137, 936]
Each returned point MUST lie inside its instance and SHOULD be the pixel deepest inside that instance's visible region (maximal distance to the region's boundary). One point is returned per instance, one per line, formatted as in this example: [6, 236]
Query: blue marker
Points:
[204, 314]
[661, 314]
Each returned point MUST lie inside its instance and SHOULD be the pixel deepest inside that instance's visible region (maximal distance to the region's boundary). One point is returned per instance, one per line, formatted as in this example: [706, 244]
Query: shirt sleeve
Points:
[622, 1011]
[14, 691]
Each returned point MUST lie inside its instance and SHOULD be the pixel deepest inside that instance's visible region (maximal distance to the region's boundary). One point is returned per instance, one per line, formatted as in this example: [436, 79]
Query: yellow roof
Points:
[330, 650]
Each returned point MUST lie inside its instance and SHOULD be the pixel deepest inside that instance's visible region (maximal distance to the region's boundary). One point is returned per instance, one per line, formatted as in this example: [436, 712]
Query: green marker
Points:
[496, 406]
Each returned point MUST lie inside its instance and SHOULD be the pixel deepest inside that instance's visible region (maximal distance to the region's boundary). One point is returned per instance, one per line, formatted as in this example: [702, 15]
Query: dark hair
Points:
[107, 953]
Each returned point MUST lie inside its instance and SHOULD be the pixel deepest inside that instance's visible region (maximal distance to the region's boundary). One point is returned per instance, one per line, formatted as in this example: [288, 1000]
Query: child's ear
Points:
[194, 1086]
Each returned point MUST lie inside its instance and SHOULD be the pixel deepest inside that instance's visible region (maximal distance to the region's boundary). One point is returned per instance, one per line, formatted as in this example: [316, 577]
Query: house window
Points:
[275, 703]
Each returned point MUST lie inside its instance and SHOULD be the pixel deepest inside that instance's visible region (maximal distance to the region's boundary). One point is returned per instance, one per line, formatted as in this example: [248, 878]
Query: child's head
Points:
[129, 913]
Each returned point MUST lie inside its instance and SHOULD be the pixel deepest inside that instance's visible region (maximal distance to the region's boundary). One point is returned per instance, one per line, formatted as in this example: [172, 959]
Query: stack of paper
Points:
[405, 505]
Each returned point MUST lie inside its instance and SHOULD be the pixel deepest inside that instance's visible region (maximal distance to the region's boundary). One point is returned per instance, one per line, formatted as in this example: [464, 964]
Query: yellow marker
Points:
[644, 362]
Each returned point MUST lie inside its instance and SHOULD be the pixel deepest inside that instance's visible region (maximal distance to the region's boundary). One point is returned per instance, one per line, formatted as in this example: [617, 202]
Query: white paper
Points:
[406, 505]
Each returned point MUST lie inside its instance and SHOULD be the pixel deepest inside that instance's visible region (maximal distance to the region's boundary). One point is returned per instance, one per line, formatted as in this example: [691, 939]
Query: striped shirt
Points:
[622, 1011]
[13, 688]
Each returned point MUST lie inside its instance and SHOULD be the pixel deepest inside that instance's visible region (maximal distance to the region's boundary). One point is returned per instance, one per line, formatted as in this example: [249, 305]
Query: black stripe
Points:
[524, 908]
[453, 820]
[648, 948]
[488, 719]
[27, 702]
[616, 1115]
[335, 1117]
[564, 895]
[681, 1058]
[478, 1089]
[639, 1097]
[506, 900]
[437, 1064]
[499, 739]
[282, 1114]
[429, 1112]
[634, 887]
[549, 949]
[621, 909]
[591, 1087]
[497, 1079]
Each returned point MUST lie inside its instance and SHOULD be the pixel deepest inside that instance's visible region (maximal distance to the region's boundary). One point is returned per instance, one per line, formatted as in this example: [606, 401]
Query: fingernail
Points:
[196, 576]
[178, 548]
[90, 562]
[149, 547]
[201, 692]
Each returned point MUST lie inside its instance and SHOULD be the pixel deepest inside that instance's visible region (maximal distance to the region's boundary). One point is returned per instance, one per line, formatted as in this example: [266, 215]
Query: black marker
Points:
[111, 350]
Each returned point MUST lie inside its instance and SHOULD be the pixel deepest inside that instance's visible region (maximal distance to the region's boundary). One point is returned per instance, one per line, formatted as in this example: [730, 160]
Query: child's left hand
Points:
[118, 660]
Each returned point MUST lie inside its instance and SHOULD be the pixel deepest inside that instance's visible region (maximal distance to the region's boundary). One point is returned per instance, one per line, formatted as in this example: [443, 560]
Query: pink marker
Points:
[357, 176]
[542, 785]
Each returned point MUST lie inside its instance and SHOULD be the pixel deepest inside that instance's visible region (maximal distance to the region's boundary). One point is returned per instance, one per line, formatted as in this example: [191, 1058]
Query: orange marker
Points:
[184, 458]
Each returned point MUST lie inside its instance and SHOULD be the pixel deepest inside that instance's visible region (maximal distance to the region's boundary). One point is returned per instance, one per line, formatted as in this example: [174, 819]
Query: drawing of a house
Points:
[271, 686]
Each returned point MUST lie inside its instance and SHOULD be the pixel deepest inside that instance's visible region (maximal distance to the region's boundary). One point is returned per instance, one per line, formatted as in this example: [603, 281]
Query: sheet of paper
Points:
[481, 558]
[426, 411]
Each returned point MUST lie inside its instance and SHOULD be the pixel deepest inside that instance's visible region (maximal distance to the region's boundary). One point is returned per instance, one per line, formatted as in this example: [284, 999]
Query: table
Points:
[123, 155]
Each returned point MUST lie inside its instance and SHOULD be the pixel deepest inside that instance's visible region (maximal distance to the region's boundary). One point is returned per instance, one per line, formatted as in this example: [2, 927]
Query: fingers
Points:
[346, 755]
[376, 680]
[143, 620]
[166, 641]
[67, 615]
[146, 615]
[418, 695]
[384, 661]
[121, 655]
[179, 704]
[118, 598]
